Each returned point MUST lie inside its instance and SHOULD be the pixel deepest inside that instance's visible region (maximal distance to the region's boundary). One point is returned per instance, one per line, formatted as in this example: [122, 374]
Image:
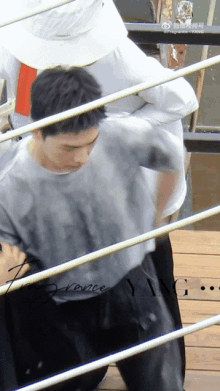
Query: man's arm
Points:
[153, 147]
[169, 101]
[157, 149]
[168, 160]
[166, 185]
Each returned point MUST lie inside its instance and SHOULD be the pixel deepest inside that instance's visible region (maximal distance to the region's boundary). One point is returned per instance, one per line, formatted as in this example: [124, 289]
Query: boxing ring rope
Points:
[33, 12]
[109, 98]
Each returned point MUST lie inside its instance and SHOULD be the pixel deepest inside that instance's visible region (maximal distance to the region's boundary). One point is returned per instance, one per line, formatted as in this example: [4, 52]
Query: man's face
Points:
[66, 152]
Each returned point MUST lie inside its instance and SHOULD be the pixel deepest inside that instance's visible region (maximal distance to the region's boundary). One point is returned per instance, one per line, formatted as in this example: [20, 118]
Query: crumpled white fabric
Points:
[64, 22]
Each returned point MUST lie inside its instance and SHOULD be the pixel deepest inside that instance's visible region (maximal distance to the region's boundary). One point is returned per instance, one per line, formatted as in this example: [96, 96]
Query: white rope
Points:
[107, 250]
[35, 11]
[110, 98]
[112, 358]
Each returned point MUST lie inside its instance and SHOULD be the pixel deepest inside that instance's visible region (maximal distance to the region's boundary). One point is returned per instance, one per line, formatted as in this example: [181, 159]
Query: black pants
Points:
[163, 262]
[48, 338]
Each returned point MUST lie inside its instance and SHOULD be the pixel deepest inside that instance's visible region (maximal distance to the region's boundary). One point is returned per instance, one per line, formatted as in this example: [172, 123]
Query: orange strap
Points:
[26, 78]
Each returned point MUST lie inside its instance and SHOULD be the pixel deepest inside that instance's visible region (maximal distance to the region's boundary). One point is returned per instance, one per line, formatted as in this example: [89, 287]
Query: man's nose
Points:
[81, 156]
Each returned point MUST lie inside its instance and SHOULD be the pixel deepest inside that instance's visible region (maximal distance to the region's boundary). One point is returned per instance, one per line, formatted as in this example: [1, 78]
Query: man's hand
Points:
[10, 259]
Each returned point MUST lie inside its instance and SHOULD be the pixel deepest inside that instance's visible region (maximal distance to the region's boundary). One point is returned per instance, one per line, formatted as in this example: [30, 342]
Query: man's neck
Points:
[35, 152]
[39, 156]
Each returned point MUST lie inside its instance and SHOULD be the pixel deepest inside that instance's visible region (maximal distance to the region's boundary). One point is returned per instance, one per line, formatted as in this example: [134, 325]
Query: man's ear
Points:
[37, 134]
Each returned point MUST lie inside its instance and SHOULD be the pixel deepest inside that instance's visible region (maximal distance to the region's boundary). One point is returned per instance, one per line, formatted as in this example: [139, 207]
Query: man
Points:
[61, 36]
[72, 188]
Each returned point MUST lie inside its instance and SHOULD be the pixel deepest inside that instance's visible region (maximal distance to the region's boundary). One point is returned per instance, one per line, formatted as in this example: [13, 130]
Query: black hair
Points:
[59, 89]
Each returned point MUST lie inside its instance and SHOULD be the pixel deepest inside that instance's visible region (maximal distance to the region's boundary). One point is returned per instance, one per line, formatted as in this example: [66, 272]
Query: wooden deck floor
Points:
[197, 260]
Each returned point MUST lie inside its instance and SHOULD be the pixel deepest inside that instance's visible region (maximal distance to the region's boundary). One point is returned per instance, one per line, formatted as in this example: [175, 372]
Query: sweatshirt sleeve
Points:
[151, 147]
[169, 101]
[7, 231]
[9, 67]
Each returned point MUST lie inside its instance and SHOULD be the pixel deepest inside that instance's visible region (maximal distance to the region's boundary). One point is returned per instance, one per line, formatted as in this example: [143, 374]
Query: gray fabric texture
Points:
[56, 218]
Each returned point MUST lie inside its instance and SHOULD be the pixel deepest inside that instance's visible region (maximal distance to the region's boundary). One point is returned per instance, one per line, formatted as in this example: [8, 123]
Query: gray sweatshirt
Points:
[56, 218]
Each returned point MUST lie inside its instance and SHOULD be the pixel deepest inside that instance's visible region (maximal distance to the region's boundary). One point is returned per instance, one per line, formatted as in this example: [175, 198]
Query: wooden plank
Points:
[2, 83]
[196, 380]
[113, 380]
[205, 187]
[197, 357]
[202, 381]
[195, 242]
[194, 311]
[165, 16]
[203, 358]
[197, 288]
[178, 51]
[209, 337]
[189, 265]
